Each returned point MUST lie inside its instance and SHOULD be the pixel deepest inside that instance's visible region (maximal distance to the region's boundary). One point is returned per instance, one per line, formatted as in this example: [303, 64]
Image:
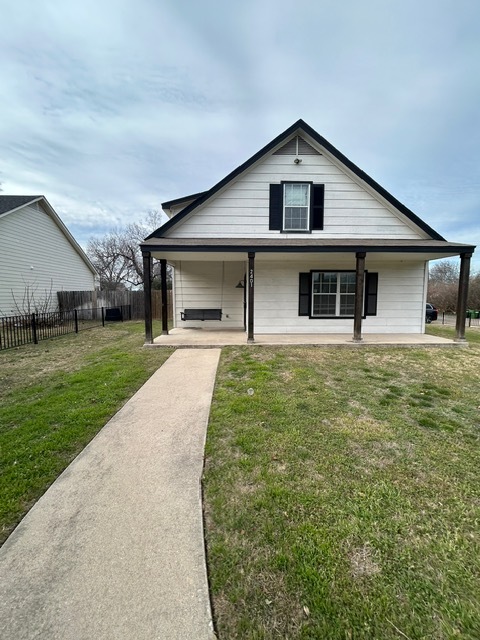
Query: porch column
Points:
[251, 289]
[462, 296]
[359, 283]
[147, 292]
[245, 302]
[163, 279]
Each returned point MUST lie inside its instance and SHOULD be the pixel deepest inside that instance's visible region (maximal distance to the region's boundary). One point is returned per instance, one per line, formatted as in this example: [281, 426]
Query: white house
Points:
[38, 256]
[298, 239]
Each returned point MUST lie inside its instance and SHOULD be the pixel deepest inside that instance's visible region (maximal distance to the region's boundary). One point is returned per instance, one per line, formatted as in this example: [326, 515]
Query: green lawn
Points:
[54, 397]
[342, 494]
[342, 498]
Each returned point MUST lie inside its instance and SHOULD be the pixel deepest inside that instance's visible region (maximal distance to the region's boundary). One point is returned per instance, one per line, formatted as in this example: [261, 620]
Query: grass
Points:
[55, 396]
[342, 498]
[341, 486]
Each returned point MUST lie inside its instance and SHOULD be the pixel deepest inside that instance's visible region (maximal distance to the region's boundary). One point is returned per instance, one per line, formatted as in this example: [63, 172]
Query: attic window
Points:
[296, 205]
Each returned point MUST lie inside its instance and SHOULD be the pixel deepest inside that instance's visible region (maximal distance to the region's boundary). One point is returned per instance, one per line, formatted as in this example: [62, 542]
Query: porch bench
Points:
[201, 314]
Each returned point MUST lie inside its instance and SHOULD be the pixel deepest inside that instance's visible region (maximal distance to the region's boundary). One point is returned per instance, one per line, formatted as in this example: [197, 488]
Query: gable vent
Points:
[290, 149]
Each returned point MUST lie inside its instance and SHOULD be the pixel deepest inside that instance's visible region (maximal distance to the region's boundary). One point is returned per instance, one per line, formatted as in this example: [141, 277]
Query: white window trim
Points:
[309, 193]
[337, 294]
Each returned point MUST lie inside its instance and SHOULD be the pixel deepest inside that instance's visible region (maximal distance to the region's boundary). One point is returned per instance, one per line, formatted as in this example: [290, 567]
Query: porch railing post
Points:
[359, 284]
[462, 297]
[34, 329]
[251, 295]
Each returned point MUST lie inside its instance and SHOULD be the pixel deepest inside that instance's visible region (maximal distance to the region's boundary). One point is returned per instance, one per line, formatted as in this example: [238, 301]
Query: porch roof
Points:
[433, 248]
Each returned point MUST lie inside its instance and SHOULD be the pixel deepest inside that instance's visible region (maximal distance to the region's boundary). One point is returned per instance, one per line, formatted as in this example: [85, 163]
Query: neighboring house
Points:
[319, 246]
[38, 256]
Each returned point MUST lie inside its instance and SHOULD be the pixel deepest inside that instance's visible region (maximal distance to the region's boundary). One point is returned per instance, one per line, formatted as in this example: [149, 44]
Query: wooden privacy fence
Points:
[97, 299]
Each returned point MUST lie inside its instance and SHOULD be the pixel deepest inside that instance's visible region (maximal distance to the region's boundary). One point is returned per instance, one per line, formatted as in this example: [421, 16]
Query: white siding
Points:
[175, 209]
[30, 238]
[209, 285]
[400, 298]
[400, 303]
[352, 210]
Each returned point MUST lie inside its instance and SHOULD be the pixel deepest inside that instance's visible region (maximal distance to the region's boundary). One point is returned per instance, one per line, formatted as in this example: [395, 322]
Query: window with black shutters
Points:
[296, 207]
[331, 294]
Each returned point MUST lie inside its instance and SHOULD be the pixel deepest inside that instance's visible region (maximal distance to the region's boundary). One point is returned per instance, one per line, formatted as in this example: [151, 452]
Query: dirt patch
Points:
[362, 562]
[361, 428]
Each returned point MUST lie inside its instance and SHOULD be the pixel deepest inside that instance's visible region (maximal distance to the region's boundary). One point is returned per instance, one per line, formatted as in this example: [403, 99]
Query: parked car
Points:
[431, 313]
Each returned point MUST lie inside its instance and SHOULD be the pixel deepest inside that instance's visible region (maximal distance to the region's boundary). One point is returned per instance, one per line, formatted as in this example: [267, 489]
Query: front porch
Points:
[275, 291]
[209, 338]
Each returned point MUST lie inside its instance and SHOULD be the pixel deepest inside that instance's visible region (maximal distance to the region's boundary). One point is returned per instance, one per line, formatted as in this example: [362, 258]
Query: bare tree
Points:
[106, 256]
[117, 256]
[474, 292]
[443, 286]
[33, 301]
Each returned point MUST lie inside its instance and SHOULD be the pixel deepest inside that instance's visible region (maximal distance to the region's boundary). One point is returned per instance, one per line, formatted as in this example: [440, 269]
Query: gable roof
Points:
[9, 204]
[172, 203]
[299, 126]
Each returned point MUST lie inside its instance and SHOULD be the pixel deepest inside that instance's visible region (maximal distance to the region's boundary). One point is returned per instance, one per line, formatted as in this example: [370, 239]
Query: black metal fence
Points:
[472, 318]
[16, 331]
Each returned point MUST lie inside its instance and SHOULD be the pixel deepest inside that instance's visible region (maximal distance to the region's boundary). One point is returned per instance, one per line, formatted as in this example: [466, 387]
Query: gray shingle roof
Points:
[315, 244]
[7, 203]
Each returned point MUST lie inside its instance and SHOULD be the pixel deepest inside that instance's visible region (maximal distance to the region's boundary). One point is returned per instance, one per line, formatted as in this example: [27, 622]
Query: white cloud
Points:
[110, 108]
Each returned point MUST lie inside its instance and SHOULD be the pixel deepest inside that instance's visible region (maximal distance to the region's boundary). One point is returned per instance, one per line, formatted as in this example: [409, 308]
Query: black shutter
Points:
[304, 294]
[371, 291]
[276, 207]
[316, 206]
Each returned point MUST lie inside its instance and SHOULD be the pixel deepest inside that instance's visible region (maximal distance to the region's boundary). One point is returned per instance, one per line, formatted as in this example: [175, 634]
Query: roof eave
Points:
[173, 203]
[263, 246]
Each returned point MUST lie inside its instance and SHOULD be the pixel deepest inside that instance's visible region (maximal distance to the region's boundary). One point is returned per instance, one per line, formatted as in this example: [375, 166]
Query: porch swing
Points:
[204, 314]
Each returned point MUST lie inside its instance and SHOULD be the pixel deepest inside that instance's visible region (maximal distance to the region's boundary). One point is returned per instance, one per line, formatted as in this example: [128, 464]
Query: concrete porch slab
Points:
[206, 338]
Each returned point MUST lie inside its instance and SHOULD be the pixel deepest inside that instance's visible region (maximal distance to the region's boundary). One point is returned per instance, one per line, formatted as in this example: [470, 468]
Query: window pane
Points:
[296, 195]
[347, 283]
[296, 218]
[333, 293]
[324, 283]
[324, 305]
[347, 305]
[328, 282]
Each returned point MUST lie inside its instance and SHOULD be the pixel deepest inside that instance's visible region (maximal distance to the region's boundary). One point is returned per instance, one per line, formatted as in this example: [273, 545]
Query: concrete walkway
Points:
[114, 550]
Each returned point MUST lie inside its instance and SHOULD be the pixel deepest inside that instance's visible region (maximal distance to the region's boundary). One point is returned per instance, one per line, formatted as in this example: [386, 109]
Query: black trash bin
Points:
[114, 314]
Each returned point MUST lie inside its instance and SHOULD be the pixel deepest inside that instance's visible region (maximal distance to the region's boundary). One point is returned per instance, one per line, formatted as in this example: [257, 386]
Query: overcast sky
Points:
[110, 107]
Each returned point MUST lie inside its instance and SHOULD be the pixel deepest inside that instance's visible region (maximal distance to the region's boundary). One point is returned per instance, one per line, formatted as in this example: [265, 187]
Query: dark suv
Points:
[431, 313]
